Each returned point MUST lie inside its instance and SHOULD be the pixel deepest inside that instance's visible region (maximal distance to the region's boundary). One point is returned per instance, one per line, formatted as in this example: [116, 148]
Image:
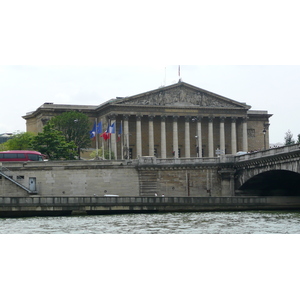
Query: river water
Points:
[249, 222]
[207, 260]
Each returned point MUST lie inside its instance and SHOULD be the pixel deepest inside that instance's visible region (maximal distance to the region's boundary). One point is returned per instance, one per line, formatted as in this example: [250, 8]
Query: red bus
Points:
[20, 155]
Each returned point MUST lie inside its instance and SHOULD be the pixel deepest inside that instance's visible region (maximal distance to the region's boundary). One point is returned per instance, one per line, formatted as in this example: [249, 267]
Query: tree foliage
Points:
[288, 138]
[53, 143]
[19, 141]
[75, 127]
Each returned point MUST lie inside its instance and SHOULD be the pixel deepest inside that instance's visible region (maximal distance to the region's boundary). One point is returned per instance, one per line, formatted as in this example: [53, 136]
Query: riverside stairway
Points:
[4, 171]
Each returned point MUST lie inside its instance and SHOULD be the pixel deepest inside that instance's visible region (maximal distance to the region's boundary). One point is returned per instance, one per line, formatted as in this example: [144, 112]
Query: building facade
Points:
[4, 137]
[174, 121]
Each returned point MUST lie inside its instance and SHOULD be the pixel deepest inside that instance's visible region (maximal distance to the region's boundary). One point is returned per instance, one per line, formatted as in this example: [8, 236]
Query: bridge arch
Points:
[272, 183]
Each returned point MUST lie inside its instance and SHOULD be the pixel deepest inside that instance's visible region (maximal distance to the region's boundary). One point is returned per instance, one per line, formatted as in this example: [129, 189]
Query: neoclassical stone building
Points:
[179, 120]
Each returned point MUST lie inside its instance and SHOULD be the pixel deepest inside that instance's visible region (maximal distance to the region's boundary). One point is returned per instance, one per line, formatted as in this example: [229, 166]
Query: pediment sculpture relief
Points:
[180, 97]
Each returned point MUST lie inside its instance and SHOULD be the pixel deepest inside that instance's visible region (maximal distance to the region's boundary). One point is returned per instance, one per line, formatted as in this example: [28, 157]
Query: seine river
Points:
[250, 222]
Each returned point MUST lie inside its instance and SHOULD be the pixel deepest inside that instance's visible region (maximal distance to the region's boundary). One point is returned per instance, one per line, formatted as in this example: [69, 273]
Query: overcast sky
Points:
[272, 88]
[72, 52]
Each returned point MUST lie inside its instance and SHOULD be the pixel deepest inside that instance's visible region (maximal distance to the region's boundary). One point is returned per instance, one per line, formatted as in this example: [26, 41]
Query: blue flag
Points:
[99, 128]
[93, 131]
[112, 128]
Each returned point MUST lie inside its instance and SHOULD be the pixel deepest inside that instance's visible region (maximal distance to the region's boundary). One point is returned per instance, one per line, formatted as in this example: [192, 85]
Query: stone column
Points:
[175, 136]
[126, 137]
[138, 136]
[199, 136]
[151, 136]
[233, 135]
[245, 135]
[163, 137]
[113, 136]
[222, 135]
[210, 137]
[187, 141]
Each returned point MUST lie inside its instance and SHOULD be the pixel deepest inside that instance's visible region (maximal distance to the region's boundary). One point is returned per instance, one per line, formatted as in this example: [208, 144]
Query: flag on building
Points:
[93, 131]
[99, 128]
[107, 133]
[112, 129]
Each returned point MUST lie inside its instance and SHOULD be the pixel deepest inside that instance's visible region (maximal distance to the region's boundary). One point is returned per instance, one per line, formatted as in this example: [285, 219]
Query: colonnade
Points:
[187, 139]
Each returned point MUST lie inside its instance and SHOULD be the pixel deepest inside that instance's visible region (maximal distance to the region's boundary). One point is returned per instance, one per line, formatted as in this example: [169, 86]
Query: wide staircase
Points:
[148, 182]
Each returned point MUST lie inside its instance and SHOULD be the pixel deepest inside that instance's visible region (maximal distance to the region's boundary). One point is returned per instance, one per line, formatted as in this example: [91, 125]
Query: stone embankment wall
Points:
[123, 178]
[77, 178]
[47, 206]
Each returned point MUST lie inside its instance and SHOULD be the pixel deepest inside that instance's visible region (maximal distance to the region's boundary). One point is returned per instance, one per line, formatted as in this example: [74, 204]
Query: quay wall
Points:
[55, 206]
[123, 178]
[76, 178]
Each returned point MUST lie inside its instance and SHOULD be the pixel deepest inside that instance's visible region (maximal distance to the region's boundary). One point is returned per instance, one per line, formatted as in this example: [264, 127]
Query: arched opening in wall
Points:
[272, 183]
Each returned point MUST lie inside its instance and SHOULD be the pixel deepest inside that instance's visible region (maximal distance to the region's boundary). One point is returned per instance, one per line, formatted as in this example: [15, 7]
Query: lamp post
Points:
[194, 119]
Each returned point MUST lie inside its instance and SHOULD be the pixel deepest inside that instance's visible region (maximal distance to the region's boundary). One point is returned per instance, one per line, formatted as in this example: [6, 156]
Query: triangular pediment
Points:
[181, 95]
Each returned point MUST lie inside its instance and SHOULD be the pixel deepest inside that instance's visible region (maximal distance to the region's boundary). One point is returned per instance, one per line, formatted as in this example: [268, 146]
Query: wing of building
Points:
[179, 120]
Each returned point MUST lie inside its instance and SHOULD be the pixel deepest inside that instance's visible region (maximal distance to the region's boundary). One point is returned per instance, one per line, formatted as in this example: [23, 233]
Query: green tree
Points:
[19, 141]
[53, 143]
[75, 127]
[288, 138]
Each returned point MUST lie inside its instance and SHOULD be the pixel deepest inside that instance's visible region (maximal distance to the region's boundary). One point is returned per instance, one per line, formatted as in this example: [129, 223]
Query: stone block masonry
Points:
[123, 178]
[60, 206]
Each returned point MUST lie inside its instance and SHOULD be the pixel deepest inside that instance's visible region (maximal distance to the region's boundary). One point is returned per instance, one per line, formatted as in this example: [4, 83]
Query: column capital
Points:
[112, 116]
[163, 117]
[211, 118]
[126, 117]
[175, 118]
[233, 119]
[187, 118]
[222, 119]
[139, 117]
[151, 117]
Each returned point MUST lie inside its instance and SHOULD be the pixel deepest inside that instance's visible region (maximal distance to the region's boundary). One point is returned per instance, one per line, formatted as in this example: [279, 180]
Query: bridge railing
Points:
[269, 152]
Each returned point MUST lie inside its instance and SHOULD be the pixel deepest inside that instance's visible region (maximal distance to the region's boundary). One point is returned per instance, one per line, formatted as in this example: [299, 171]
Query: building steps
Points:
[148, 182]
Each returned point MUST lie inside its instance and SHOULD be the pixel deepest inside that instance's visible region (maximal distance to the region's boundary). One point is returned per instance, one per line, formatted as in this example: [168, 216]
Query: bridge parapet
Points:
[268, 153]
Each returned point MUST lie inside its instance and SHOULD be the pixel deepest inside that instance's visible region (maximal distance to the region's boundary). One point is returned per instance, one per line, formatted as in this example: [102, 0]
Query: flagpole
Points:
[109, 142]
[102, 142]
[97, 157]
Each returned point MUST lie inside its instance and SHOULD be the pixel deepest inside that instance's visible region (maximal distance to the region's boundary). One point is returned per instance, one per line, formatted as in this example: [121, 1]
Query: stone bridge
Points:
[273, 172]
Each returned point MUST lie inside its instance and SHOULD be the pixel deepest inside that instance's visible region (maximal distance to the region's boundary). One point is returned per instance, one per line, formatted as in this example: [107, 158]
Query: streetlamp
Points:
[197, 146]
[194, 119]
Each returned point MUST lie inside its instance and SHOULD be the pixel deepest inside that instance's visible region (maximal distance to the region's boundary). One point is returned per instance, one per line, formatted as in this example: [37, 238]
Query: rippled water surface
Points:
[254, 222]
